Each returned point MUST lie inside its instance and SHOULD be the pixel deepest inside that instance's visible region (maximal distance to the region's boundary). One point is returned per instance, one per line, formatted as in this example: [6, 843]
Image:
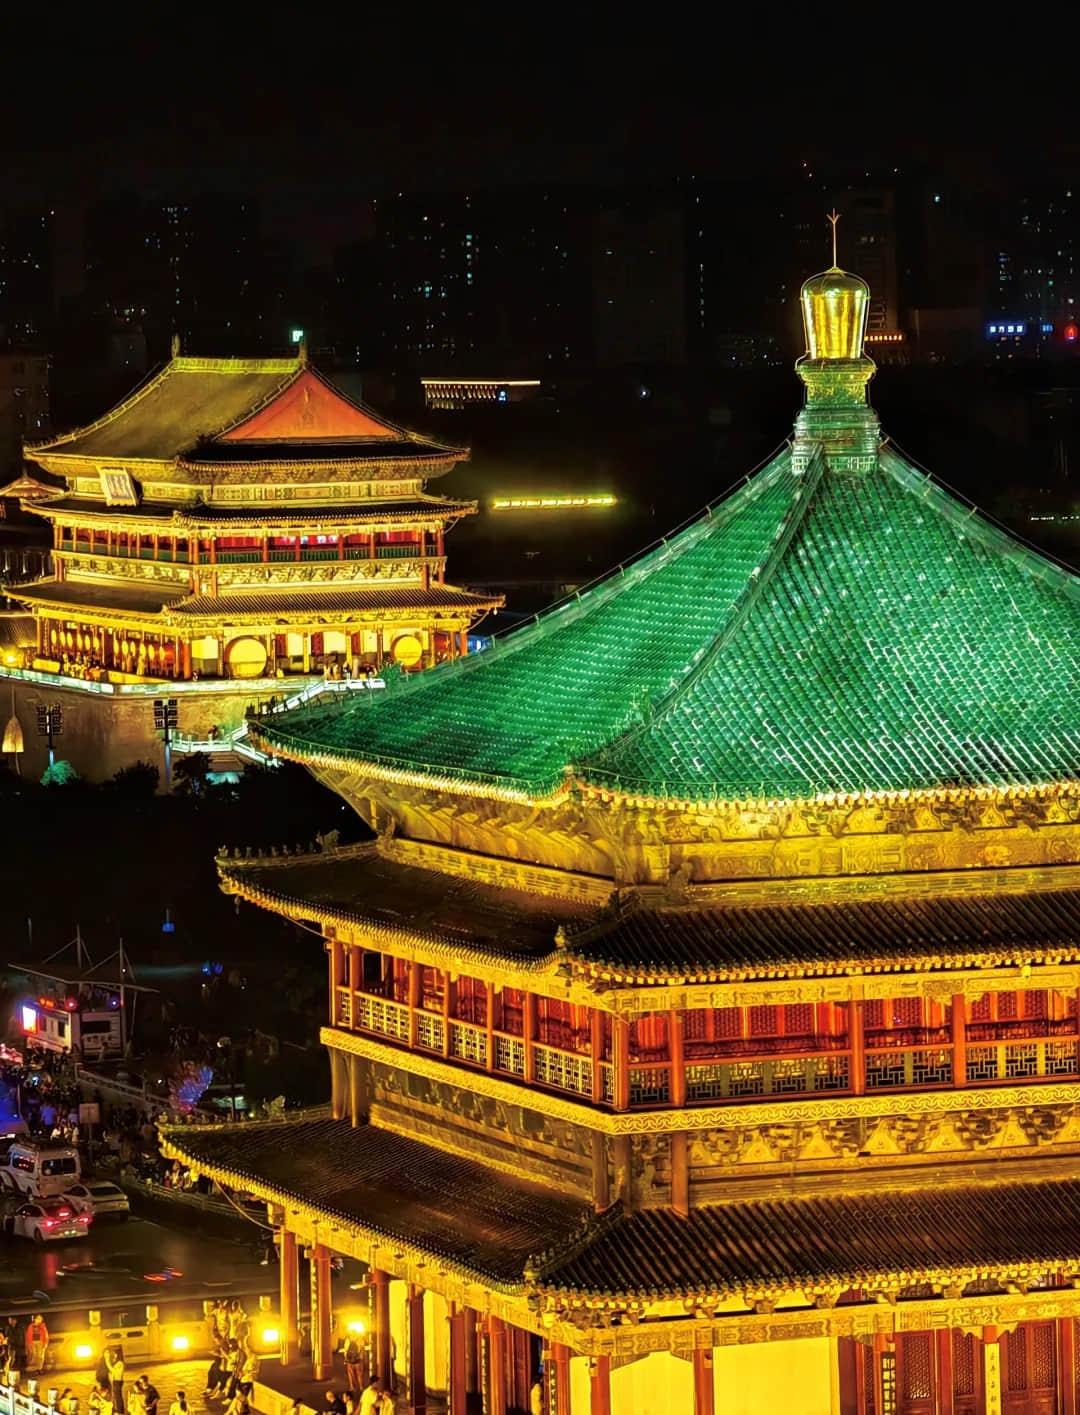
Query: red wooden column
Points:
[596, 1051]
[495, 1404]
[620, 1056]
[337, 975]
[1066, 1365]
[472, 1352]
[559, 1380]
[416, 1388]
[457, 1383]
[959, 1040]
[600, 1386]
[704, 1390]
[288, 1295]
[489, 1026]
[678, 1058]
[857, 1041]
[384, 1369]
[944, 1380]
[322, 1348]
[414, 1000]
[356, 972]
[449, 1000]
[680, 1173]
[528, 1027]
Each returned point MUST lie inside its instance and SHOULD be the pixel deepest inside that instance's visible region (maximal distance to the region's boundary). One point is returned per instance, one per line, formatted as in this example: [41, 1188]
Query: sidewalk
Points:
[276, 1390]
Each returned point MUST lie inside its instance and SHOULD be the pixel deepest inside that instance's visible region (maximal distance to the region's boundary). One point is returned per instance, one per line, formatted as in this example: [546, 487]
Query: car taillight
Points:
[83, 1218]
[63, 1213]
[50, 1223]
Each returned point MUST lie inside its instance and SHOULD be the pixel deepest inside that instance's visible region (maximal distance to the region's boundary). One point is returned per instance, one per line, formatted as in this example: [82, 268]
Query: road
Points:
[128, 1263]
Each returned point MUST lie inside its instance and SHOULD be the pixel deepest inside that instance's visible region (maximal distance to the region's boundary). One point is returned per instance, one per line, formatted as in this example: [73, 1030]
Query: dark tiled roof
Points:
[824, 938]
[842, 1240]
[454, 1208]
[291, 513]
[82, 594]
[459, 912]
[189, 399]
[333, 601]
[16, 630]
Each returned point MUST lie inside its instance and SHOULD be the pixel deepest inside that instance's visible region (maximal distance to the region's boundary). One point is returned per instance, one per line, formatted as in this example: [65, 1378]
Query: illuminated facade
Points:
[703, 1022]
[244, 519]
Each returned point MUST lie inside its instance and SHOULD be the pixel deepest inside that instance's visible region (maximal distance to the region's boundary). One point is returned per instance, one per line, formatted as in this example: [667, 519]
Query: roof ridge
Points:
[137, 393]
[970, 520]
[801, 500]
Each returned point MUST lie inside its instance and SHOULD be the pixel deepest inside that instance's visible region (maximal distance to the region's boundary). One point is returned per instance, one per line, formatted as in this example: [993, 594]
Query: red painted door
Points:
[967, 1364]
[915, 1373]
[1029, 1370]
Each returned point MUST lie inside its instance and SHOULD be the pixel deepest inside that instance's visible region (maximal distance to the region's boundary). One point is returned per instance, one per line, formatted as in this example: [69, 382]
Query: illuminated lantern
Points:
[1071, 332]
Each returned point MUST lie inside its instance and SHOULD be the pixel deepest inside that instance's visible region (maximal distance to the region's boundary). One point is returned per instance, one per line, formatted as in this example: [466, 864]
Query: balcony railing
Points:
[381, 1016]
[397, 552]
[736, 1047]
[430, 1031]
[767, 1076]
[879, 1038]
[1021, 1028]
[468, 1043]
[650, 1085]
[909, 1069]
[563, 1070]
[1021, 1061]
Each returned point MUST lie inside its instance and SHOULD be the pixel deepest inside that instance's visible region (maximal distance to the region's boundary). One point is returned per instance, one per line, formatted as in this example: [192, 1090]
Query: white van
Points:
[40, 1169]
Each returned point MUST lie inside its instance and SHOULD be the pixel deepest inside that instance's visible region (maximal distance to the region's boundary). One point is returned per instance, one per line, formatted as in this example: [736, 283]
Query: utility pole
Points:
[166, 717]
[50, 724]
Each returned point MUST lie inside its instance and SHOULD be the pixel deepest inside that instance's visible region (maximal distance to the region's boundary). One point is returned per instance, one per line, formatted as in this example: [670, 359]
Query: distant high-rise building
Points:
[639, 282]
[182, 266]
[492, 283]
[868, 243]
[26, 276]
[24, 406]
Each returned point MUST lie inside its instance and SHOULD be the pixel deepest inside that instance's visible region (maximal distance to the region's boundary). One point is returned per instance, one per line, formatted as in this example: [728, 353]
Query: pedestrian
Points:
[369, 1401]
[239, 1405]
[37, 1344]
[335, 1404]
[386, 1402]
[100, 1402]
[150, 1396]
[114, 1364]
[249, 1371]
[217, 1374]
[353, 1355]
[179, 1405]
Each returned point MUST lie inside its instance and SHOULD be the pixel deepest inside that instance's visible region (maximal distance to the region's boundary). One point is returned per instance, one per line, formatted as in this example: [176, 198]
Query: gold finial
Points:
[832, 218]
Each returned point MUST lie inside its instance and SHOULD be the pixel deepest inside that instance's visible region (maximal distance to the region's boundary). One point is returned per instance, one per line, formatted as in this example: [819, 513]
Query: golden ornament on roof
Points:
[834, 307]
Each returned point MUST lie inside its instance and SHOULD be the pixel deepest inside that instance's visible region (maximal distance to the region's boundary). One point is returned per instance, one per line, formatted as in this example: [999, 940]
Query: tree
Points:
[61, 773]
[189, 774]
[138, 782]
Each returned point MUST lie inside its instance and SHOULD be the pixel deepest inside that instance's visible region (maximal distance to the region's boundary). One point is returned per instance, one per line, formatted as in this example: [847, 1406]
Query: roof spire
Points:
[832, 218]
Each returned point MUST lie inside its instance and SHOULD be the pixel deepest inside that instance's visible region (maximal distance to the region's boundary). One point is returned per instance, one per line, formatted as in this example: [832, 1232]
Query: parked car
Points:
[46, 1221]
[99, 1198]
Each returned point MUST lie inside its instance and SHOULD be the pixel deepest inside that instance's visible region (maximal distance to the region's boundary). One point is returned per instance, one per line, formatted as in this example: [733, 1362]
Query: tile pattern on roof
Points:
[814, 635]
[556, 690]
[394, 1185]
[806, 939]
[309, 409]
[842, 1240]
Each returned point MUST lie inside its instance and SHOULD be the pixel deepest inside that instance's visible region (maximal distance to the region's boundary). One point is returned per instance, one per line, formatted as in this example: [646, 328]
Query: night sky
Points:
[317, 107]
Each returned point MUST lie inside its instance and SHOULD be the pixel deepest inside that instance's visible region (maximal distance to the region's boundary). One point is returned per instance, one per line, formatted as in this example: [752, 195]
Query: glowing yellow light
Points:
[357, 1327]
[550, 503]
[180, 1343]
[270, 1336]
[84, 1351]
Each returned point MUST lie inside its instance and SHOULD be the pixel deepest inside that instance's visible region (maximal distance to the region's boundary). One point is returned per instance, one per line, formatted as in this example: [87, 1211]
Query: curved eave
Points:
[400, 775]
[895, 796]
[766, 1289]
[645, 974]
[405, 614]
[171, 1144]
[434, 463]
[397, 938]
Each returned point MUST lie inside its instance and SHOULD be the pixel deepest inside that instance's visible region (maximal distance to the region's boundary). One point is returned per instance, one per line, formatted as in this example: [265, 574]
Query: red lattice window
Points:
[696, 1025]
[763, 1021]
[509, 1011]
[1043, 1357]
[1016, 1358]
[963, 1356]
[874, 1015]
[906, 1012]
[728, 1022]
[980, 1009]
[799, 1020]
[471, 1001]
[1036, 1003]
[1008, 1006]
[916, 1366]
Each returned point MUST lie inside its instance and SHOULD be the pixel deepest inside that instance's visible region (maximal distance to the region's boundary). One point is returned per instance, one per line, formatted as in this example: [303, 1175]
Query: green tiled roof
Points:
[818, 632]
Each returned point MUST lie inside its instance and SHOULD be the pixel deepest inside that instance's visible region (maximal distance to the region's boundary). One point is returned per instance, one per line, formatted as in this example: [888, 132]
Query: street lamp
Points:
[225, 1048]
[166, 717]
[50, 724]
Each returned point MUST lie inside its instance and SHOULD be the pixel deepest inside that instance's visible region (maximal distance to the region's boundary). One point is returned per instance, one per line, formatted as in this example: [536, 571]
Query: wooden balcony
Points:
[908, 1059]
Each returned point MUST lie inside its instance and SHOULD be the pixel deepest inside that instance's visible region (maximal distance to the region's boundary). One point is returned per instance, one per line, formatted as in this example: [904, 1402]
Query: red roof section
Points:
[306, 410]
